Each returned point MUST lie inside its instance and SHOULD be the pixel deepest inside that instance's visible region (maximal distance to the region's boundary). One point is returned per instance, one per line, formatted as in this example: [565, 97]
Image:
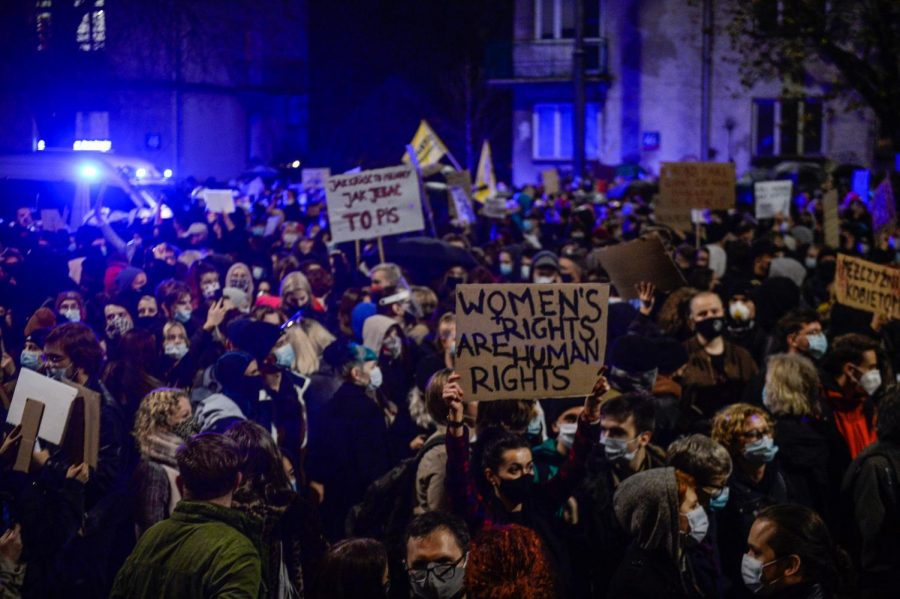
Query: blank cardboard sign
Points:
[530, 341]
[640, 260]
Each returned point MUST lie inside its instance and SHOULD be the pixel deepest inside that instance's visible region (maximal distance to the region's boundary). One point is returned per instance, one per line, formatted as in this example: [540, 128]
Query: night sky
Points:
[377, 68]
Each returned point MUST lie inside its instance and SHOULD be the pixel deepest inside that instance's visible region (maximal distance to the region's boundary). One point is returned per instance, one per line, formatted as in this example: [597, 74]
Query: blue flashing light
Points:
[88, 171]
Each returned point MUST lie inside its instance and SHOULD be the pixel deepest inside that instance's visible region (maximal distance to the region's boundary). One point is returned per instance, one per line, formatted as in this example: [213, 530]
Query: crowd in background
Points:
[280, 414]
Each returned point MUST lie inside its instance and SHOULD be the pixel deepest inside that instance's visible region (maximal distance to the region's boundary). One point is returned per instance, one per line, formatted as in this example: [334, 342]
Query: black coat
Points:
[647, 575]
[348, 452]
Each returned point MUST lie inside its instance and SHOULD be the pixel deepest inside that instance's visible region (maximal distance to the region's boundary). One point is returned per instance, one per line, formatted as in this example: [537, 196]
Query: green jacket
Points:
[202, 550]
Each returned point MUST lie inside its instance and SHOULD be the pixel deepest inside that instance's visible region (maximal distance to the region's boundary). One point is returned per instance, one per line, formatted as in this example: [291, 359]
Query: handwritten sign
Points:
[313, 180]
[772, 197]
[686, 185]
[375, 203]
[867, 286]
[530, 341]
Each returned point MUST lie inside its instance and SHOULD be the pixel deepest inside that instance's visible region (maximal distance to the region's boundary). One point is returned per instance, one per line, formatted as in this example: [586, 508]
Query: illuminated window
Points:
[555, 19]
[552, 125]
[91, 34]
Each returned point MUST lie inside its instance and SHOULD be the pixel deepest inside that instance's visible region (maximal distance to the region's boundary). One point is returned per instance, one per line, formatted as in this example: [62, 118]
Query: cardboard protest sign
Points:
[772, 197]
[884, 210]
[550, 177]
[672, 215]
[374, 203]
[70, 417]
[459, 192]
[494, 207]
[218, 201]
[867, 286]
[831, 224]
[686, 185]
[640, 260]
[530, 341]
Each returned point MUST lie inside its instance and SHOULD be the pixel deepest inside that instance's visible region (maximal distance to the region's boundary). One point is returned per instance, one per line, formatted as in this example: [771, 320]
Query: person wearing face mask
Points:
[756, 482]
[118, 321]
[626, 429]
[30, 357]
[851, 378]
[710, 465]
[70, 306]
[437, 551]
[717, 369]
[164, 420]
[813, 456]
[504, 490]
[741, 320]
[660, 511]
[240, 277]
[545, 268]
[506, 266]
[868, 487]
[553, 452]
[791, 555]
[296, 294]
[351, 447]
[175, 302]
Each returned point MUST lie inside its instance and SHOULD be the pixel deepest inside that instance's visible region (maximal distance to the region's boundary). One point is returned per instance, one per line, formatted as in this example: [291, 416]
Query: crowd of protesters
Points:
[280, 416]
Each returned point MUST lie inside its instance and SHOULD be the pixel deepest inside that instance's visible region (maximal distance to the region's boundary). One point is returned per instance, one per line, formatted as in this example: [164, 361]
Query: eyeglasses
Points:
[441, 571]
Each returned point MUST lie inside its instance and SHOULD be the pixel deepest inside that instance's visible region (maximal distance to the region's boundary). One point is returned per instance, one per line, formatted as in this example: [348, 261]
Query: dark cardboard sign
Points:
[640, 260]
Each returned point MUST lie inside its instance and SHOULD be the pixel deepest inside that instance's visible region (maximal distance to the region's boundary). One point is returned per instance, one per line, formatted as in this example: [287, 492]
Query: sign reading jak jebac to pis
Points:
[530, 341]
[374, 203]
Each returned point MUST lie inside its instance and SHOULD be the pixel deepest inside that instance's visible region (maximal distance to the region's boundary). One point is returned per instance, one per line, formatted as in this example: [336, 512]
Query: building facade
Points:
[203, 88]
[644, 93]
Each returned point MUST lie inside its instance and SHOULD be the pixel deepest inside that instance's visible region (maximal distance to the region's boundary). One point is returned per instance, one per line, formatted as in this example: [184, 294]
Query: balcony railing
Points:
[544, 59]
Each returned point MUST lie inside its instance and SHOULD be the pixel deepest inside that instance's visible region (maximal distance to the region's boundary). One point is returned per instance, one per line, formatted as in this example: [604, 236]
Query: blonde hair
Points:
[426, 299]
[728, 423]
[153, 413]
[791, 384]
[308, 340]
[240, 266]
[293, 281]
[173, 324]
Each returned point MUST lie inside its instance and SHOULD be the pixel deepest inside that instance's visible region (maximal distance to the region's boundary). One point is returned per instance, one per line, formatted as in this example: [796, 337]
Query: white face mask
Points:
[176, 350]
[739, 311]
[617, 449]
[375, 378]
[566, 434]
[698, 523]
[543, 280]
[525, 272]
[209, 290]
[71, 315]
[871, 381]
[752, 572]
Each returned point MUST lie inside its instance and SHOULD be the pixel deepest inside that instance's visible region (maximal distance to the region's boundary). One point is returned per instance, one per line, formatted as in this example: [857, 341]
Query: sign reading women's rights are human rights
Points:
[530, 341]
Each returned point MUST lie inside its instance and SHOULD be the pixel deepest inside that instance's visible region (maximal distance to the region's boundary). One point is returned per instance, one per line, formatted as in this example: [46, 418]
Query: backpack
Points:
[387, 506]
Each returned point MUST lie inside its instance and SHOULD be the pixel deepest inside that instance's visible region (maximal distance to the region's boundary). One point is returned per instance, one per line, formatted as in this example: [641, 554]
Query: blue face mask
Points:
[183, 315]
[30, 359]
[284, 356]
[506, 269]
[818, 345]
[762, 451]
[719, 502]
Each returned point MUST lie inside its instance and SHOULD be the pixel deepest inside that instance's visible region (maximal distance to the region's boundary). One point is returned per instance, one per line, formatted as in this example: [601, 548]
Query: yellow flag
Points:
[485, 181]
[429, 147]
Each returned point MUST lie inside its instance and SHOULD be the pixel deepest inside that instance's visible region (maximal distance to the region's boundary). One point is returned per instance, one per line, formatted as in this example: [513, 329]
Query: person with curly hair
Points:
[508, 562]
[747, 432]
[163, 421]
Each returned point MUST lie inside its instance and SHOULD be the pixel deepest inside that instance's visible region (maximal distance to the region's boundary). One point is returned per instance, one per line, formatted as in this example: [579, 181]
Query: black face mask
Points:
[452, 282]
[711, 328]
[517, 490]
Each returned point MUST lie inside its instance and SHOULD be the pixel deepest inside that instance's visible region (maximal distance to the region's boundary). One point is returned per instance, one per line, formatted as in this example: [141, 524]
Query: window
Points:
[91, 34]
[555, 19]
[552, 138]
[42, 22]
[787, 127]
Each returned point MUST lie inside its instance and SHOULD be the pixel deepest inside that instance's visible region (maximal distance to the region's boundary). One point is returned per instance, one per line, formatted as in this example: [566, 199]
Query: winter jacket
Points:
[203, 550]
[707, 390]
[431, 493]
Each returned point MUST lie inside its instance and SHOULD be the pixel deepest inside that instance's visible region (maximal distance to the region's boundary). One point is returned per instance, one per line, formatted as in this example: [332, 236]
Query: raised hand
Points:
[592, 401]
[453, 395]
[647, 294]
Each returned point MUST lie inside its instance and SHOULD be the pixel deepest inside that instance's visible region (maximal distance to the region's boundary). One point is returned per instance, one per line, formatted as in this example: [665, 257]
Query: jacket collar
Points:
[201, 512]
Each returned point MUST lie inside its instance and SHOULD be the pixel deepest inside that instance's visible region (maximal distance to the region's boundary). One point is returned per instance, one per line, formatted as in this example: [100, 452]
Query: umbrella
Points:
[807, 175]
[427, 258]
